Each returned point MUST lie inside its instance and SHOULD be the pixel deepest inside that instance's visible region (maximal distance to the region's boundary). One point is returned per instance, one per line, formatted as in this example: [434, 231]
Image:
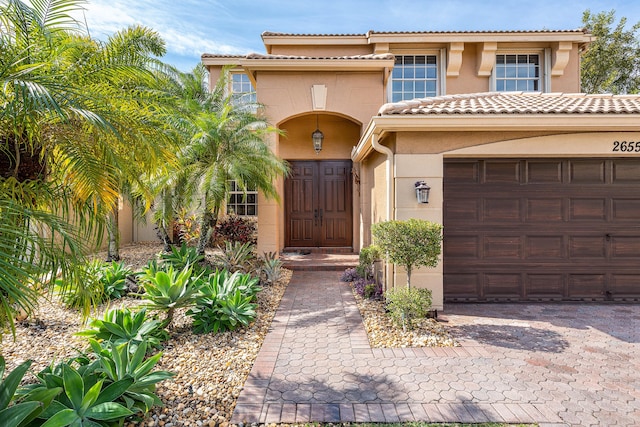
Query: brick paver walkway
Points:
[564, 364]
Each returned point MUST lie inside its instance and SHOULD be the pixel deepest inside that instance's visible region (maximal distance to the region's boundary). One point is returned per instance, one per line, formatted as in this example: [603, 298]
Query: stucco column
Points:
[270, 213]
[410, 168]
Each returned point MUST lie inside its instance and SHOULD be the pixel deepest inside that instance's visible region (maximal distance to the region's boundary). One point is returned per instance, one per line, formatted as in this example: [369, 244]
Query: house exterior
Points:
[537, 185]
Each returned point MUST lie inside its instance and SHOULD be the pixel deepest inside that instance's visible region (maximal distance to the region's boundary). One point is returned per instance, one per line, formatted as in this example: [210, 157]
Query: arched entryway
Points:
[319, 193]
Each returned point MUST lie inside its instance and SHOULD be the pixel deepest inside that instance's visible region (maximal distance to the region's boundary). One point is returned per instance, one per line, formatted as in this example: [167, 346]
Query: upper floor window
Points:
[242, 90]
[414, 76]
[242, 203]
[518, 72]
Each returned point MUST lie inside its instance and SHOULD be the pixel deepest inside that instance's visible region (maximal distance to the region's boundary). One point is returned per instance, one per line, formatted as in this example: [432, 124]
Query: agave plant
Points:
[222, 283]
[236, 256]
[120, 362]
[86, 400]
[30, 405]
[225, 302]
[271, 268]
[114, 279]
[121, 326]
[223, 314]
[180, 258]
[170, 290]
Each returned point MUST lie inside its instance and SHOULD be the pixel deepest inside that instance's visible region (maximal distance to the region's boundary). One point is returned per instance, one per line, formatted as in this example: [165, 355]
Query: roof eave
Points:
[591, 122]
[317, 64]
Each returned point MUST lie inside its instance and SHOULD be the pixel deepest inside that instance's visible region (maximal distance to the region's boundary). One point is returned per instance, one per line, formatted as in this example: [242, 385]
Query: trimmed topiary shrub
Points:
[412, 243]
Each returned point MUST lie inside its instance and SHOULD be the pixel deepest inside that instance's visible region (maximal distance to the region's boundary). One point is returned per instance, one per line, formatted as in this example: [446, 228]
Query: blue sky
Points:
[192, 27]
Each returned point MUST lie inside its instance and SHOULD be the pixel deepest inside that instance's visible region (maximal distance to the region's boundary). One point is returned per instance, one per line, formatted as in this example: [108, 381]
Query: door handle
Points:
[321, 217]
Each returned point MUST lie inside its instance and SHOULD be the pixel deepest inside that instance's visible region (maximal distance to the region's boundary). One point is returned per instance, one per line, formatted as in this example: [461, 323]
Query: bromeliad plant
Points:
[122, 326]
[170, 290]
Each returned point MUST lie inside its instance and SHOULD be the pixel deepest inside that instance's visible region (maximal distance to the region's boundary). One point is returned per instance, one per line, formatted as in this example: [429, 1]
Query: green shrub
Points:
[412, 244]
[234, 228]
[121, 326]
[406, 305]
[96, 283]
[85, 290]
[368, 255]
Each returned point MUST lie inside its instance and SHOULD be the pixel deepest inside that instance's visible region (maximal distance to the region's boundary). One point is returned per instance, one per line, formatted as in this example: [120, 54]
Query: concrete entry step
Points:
[319, 250]
[305, 260]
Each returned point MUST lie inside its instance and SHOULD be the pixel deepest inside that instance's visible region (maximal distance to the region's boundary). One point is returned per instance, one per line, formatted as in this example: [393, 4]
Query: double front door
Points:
[318, 204]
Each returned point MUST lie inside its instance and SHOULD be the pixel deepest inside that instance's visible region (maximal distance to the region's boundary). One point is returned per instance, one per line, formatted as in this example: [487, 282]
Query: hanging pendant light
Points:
[317, 136]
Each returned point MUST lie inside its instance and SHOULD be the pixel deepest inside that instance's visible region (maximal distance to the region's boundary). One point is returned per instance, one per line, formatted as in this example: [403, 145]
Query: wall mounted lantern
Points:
[422, 191]
[317, 136]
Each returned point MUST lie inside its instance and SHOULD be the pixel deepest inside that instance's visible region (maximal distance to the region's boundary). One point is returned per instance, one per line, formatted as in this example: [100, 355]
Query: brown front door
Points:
[318, 204]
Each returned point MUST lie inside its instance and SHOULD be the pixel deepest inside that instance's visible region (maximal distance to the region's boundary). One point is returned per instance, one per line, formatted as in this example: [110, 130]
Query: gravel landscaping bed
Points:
[210, 370]
[383, 334]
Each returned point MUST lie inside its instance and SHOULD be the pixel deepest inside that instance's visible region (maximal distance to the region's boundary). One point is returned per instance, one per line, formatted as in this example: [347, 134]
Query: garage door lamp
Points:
[422, 192]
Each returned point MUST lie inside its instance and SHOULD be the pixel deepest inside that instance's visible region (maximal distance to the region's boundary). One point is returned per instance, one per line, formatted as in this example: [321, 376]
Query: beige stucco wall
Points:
[420, 156]
[357, 95]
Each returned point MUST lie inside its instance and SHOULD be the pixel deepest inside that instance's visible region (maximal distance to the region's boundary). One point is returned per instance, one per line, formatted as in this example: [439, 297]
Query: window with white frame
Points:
[242, 90]
[518, 72]
[414, 76]
[242, 203]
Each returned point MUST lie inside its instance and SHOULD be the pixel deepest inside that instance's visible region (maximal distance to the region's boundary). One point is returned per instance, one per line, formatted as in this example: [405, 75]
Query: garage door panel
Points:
[625, 246]
[591, 209]
[462, 210]
[544, 210]
[502, 247]
[626, 172]
[587, 171]
[502, 285]
[569, 229]
[545, 247]
[586, 286]
[462, 172]
[501, 210]
[544, 172]
[626, 210]
[587, 247]
[550, 286]
[625, 285]
[505, 172]
[465, 286]
[463, 247]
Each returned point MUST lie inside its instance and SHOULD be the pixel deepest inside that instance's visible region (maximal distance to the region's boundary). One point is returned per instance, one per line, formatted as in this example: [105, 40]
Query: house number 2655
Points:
[626, 146]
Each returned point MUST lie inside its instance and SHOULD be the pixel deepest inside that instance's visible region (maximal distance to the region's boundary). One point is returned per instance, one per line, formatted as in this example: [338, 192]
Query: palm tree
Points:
[226, 143]
[76, 114]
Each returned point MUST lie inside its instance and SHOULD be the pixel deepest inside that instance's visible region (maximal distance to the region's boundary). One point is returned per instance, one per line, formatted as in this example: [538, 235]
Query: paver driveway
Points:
[562, 364]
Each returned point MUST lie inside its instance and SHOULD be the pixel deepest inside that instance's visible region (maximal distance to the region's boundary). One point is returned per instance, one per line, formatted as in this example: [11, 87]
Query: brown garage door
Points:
[541, 229]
